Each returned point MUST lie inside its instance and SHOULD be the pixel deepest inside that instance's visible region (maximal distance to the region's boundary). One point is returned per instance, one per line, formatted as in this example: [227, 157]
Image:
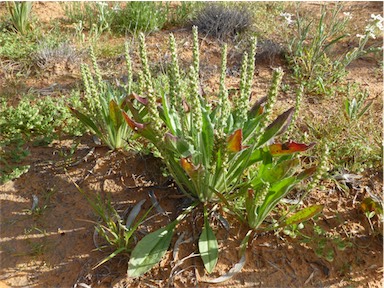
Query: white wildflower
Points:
[377, 17]
[370, 31]
[360, 36]
[287, 17]
[378, 20]
[116, 8]
[348, 15]
[102, 4]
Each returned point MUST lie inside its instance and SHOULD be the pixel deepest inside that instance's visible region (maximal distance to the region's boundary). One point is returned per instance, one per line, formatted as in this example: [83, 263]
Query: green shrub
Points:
[131, 17]
[350, 132]
[92, 15]
[183, 13]
[16, 47]
[311, 50]
[31, 119]
[137, 16]
[41, 121]
[116, 229]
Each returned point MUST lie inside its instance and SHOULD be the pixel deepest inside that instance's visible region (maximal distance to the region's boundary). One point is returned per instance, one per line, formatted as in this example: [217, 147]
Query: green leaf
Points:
[86, 121]
[277, 191]
[304, 214]
[149, 251]
[208, 247]
[365, 109]
[257, 108]
[280, 170]
[115, 114]
[278, 126]
[106, 259]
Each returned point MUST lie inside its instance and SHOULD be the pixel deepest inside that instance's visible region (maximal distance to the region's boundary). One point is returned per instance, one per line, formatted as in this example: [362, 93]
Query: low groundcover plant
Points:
[221, 154]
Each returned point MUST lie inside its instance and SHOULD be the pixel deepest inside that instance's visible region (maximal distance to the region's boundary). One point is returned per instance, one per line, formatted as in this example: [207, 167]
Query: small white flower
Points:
[116, 8]
[102, 4]
[378, 20]
[377, 17]
[370, 30]
[287, 17]
[360, 36]
[348, 15]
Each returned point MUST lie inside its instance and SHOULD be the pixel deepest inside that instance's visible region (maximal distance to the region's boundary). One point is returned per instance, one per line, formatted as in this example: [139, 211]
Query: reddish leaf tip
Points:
[279, 149]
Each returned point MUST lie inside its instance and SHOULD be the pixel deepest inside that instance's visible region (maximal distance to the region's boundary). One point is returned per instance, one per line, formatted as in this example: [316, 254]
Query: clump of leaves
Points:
[215, 154]
[355, 106]
[354, 143]
[16, 47]
[20, 12]
[116, 229]
[223, 22]
[92, 15]
[311, 48]
[100, 112]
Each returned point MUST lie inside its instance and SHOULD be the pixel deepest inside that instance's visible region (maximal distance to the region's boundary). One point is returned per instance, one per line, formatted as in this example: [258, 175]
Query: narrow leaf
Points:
[238, 266]
[232, 272]
[142, 100]
[106, 259]
[134, 212]
[257, 108]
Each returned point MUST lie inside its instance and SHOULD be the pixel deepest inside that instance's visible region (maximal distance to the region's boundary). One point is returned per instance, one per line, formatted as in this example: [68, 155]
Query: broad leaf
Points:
[304, 214]
[279, 149]
[235, 141]
[208, 247]
[277, 126]
[280, 170]
[149, 251]
[114, 113]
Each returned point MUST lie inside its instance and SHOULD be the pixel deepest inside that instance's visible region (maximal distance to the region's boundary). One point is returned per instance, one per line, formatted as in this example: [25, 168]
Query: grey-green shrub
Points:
[222, 22]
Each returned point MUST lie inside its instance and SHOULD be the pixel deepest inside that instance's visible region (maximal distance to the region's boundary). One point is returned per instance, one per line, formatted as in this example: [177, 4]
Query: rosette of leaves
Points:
[215, 154]
[20, 12]
[101, 110]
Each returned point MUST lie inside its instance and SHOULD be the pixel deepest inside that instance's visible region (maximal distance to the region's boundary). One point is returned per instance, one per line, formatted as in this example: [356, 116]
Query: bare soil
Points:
[57, 247]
